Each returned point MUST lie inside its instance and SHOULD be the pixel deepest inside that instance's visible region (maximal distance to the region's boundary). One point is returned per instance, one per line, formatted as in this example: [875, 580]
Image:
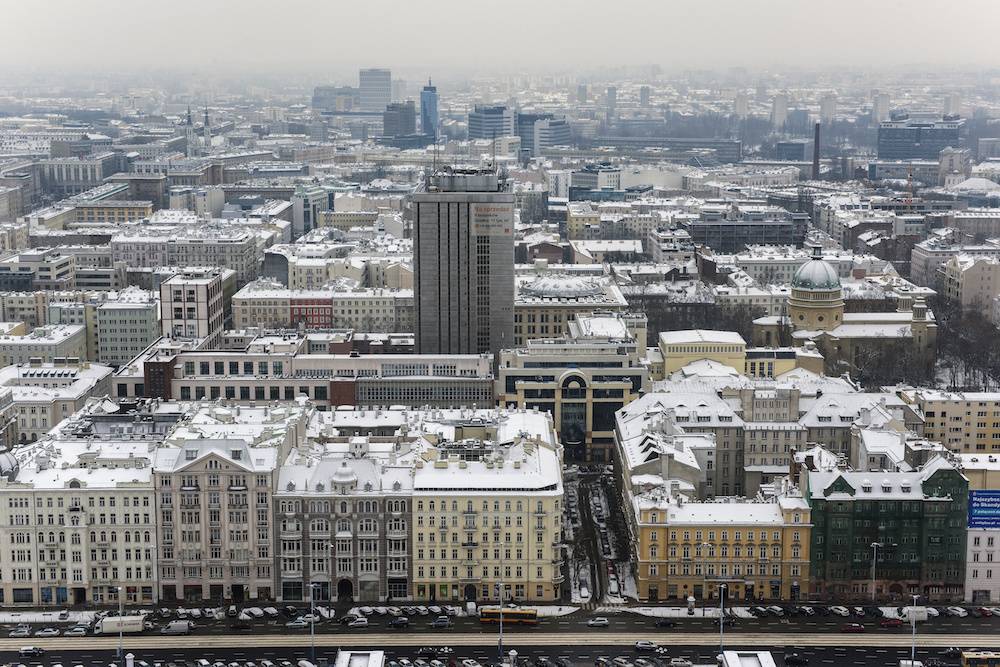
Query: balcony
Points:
[396, 534]
[470, 545]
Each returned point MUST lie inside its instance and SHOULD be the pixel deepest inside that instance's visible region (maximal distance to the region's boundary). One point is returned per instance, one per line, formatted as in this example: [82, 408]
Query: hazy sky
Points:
[508, 34]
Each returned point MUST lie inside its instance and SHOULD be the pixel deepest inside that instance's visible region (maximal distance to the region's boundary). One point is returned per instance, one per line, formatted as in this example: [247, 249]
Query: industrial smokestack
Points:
[816, 153]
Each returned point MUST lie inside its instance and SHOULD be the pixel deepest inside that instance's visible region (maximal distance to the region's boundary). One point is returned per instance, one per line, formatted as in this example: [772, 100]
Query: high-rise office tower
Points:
[429, 110]
[644, 96]
[464, 263]
[375, 88]
[779, 110]
[611, 101]
[581, 93]
[399, 119]
[828, 108]
[741, 105]
[487, 122]
[880, 106]
[906, 138]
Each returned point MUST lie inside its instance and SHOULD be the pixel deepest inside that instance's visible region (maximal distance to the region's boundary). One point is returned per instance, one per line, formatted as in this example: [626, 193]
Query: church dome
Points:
[816, 274]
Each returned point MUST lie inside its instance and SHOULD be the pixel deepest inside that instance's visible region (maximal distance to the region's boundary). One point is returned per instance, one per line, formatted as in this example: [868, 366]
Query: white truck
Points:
[113, 625]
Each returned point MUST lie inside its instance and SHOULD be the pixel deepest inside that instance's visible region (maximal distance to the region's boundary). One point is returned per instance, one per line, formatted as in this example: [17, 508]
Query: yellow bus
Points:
[513, 616]
[980, 659]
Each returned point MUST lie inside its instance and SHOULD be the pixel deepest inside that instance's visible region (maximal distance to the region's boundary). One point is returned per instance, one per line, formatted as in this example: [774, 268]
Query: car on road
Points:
[469, 662]
[796, 659]
[665, 623]
[398, 622]
[297, 624]
[441, 622]
[47, 632]
[957, 612]
[358, 623]
[76, 631]
[840, 611]
[952, 652]
[20, 632]
[598, 622]
[347, 618]
[852, 627]
[645, 646]
[30, 652]
[890, 623]
[680, 662]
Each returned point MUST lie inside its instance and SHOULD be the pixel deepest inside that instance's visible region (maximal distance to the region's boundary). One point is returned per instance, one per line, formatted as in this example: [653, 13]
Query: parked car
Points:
[680, 662]
[598, 622]
[358, 623]
[76, 631]
[31, 652]
[47, 632]
[985, 611]
[853, 627]
[840, 611]
[890, 623]
[20, 632]
[297, 624]
[469, 662]
[291, 611]
[775, 610]
[796, 659]
[957, 612]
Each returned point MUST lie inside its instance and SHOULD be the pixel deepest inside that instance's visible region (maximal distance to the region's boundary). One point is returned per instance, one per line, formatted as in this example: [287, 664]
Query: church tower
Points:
[817, 301]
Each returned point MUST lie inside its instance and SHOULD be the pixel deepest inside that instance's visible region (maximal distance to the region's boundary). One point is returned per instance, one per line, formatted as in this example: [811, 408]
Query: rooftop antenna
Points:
[493, 164]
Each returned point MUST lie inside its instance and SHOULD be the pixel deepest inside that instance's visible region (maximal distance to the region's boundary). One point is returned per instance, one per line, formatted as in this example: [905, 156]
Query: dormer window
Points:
[867, 488]
[886, 489]
[905, 489]
[236, 454]
[190, 454]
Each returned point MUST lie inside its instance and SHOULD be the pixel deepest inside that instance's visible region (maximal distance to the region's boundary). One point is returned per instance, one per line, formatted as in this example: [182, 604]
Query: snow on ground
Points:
[46, 617]
[626, 580]
[672, 612]
[551, 611]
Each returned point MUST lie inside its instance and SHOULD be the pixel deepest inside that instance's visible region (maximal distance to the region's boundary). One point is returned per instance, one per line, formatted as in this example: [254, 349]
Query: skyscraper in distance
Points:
[463, 253]
[375, 87]
[429, 110]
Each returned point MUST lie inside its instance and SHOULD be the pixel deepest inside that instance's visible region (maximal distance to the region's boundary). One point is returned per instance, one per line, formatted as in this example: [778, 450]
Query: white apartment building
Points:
[126, 326]
[229, 245]
[45, 343]
[192, 303]
[44, 394]
[77, 522]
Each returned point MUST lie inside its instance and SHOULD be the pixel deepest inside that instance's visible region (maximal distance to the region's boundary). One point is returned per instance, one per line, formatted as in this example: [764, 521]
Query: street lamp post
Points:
[913, 632]
[875, 546]
[121, 614]
[722, 615]
[704, 579]
[500, 591]
[312, 620]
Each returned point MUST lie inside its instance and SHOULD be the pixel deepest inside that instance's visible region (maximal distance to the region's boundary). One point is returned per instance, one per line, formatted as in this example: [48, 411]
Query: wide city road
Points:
[542, 650]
